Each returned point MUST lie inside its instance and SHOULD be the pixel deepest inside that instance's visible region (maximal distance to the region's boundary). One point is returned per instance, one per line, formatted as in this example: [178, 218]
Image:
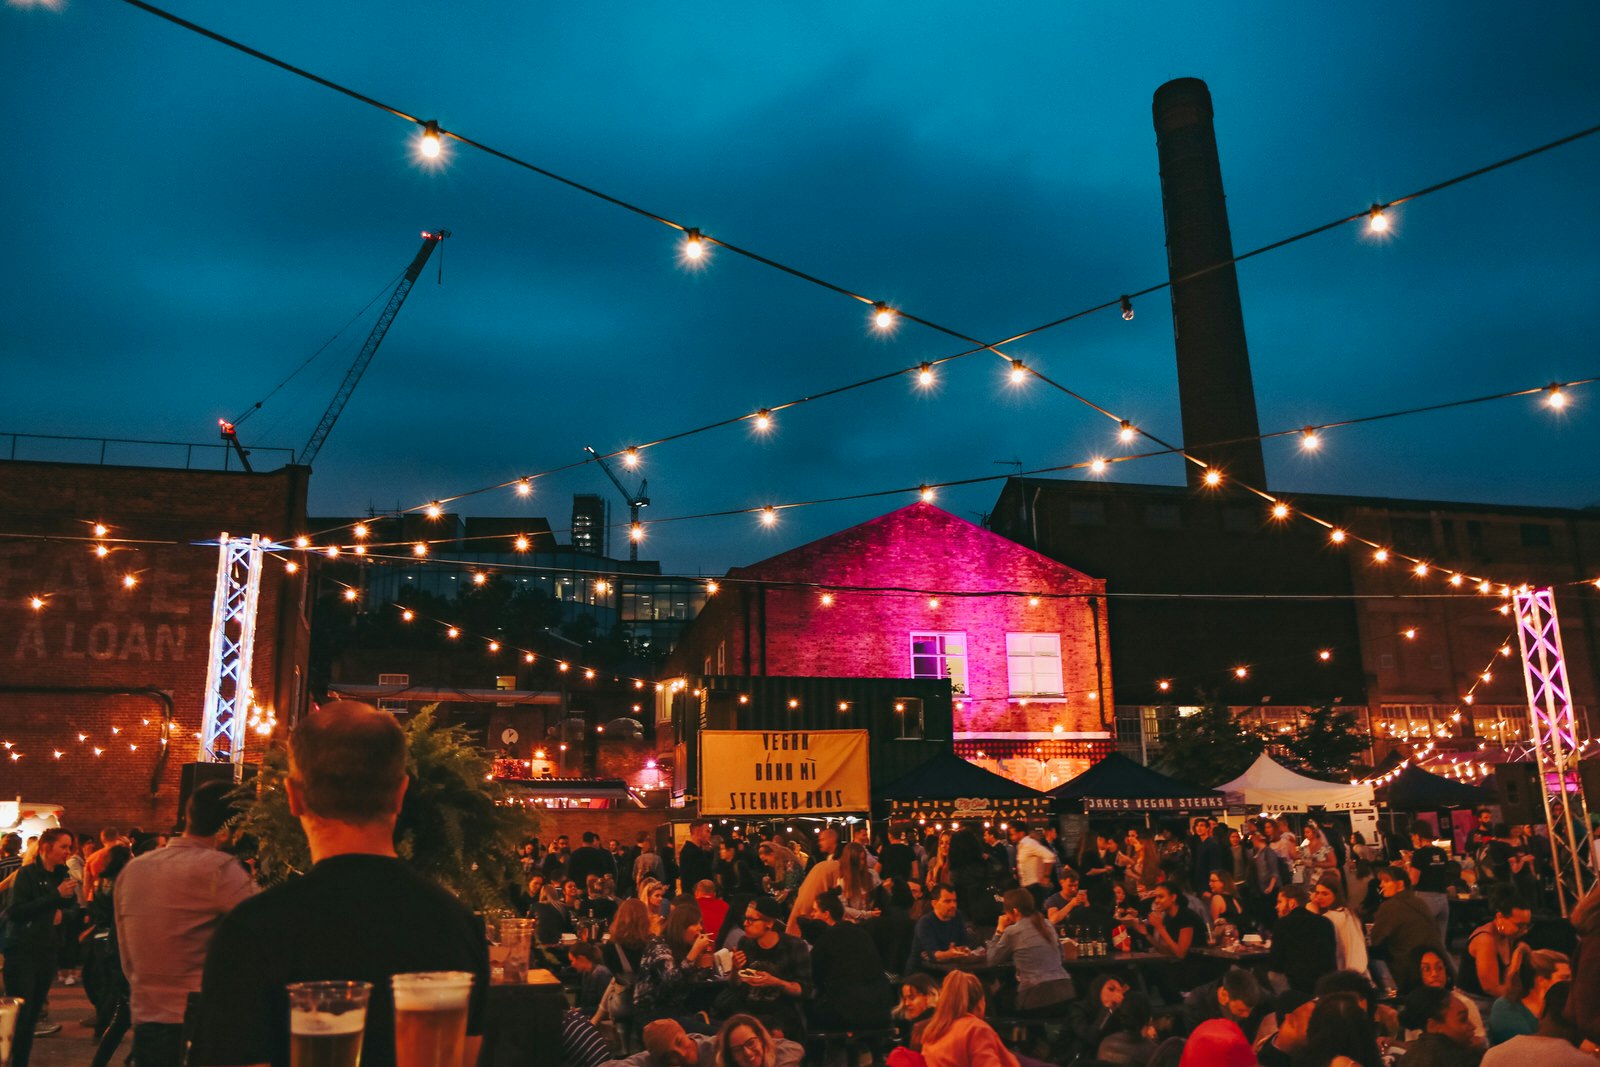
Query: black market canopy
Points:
[948, 787]
[1117, 783]
[1415, 789]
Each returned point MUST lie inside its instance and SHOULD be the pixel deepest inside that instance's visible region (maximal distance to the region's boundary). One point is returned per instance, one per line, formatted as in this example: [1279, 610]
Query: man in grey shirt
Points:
[168, 903]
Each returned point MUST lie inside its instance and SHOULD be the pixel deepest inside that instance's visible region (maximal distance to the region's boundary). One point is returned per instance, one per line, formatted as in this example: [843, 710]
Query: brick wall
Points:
[109, 663]
[767, 628]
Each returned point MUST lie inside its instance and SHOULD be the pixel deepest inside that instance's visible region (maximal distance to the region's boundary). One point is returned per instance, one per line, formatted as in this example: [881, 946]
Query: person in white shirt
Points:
[1036, 862]
[169, 903]
[1350, 939]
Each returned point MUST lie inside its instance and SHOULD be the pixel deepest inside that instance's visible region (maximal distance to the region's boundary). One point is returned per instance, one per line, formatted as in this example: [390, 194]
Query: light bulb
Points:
[1456, 580]
[925, 374]
[1309, 440]
[1410, 634]
[630, 458]
[883, 316]
[36, 602]
[1213, 477]
[360, 530]
[527, 657]
[1484, 587]
[302, 542]
[1420, 570]
[452, 632]
[1128, 432]
[827, 600]
[636, 533]
[360, 550]
[479, 578]
[349, 594]
[430, 145]
[763, 420]
[1241, 672]
[100, 530]
[101, 551]
[933, 602]
[1033, 602]
[1336, 535]
[407, 615]
[1280, 510]
[1127, 309]
[1325, 655]
[524, 487]
[435, 510]
[1377, 221]
[769, 515]
[1019, 372]
[129, 581]
[494, 646]
[1381, 555]
[926, 493]
[600, 586]
[520, 544]
[694, 245]
[711, 588]
[1555, 397]
[420, 548]
[332, 551]
[1097, 465]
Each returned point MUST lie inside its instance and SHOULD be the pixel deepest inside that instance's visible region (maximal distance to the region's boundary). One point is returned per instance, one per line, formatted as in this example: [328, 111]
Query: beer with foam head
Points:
[326, 1021]
[430, 1018]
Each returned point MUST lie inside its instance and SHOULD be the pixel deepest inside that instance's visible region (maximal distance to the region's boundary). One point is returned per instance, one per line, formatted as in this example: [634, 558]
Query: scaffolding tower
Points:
[1555, 740]
[233, 635]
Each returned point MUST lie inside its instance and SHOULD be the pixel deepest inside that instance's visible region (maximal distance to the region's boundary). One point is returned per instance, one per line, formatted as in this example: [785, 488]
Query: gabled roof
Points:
[948, 777]
[1269, 784]
[871, 548]
[1133, 787]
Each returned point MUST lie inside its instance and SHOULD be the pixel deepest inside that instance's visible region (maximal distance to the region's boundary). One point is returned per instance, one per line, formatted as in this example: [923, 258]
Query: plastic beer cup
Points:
[326, 1020]
[430, 1018]
[516, 940]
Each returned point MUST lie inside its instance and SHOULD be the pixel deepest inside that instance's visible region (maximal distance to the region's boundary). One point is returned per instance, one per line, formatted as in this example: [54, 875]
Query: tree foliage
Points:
[1327, 742]
[450, 828]
[1209, 746]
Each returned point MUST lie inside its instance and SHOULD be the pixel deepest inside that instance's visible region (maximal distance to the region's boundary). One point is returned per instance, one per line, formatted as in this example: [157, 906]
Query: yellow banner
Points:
[784, 772]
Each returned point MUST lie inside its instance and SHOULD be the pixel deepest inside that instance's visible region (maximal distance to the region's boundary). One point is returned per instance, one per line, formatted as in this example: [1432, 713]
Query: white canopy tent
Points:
[1270, 786]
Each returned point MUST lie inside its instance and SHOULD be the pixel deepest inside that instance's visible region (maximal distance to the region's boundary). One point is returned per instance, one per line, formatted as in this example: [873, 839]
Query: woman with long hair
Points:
[919, 996]
[1340, 1034]
[1144, 860]
[957, 1035]
[623, 954]
[787, 871]
[1436, 974]
[858, 890]
[939, 862]
[1350, 940]
[1025, 937]
[1532, 972]
[1224, 896]
[674, 966]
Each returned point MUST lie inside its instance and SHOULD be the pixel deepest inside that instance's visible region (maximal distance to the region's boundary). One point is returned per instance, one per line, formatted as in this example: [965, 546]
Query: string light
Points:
[636, 533]
[1555, 397]
[926, 494]
[494, 646]
[769, 515]
[129, 581]
[589, 674]
[1325, 655]
[1241, 672]
[711, 588]
[1097, 465]
[1127, 309]
[435, 510]
[1381, 555]
[524, 487]
[1336, 535]
[630, 458]
[563, 666]
[1420, 570]
[763, 420]
[1410, 634]
[1377, 221]
[925, 374]
[1309, 439]
[302, 542]
[694, 245]
[332, 551]
[1128, 432]
[520, 544]
[883, 316]
[407, 615]
[100, 529]
[429, 144]
[420, 548]
[827, 600]
[36, 603]
[349, 594]
[102, 551]
[1019, 372]
[452, 633]
[527, 657]
[360, 531]
[480, 578]
[1033, 602]
[1164, 685]
[1280, 510]
[933, 602]
[1213, 477]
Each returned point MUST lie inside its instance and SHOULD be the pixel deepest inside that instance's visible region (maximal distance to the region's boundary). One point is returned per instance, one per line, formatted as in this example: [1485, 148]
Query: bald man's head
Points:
[348, 761]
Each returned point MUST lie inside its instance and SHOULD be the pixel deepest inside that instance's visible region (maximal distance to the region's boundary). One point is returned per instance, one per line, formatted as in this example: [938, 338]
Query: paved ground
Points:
[74, 1045]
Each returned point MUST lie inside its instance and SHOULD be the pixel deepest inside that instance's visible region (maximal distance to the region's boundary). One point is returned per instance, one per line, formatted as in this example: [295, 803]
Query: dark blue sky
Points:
[186, 225]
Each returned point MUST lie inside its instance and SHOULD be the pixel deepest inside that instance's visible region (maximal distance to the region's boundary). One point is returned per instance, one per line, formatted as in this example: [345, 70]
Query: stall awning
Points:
[1273, 787]
[571, 792]
[1118, 783]
[1414, 789]
[948, 787]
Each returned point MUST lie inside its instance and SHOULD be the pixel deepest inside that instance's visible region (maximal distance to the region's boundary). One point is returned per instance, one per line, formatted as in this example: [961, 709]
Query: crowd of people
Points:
[948, 944]
[972, 945]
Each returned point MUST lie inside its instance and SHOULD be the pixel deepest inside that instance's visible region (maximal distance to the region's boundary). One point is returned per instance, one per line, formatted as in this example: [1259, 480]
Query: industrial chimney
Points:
[1215, 393]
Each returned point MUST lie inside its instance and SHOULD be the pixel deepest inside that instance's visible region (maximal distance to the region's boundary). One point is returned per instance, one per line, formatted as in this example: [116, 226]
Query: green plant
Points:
[451, 827]
[1208, 746]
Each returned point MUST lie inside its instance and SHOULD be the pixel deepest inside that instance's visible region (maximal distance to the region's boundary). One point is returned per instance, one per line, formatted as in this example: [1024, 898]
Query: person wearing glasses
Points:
[1491, 946]
[771, 969]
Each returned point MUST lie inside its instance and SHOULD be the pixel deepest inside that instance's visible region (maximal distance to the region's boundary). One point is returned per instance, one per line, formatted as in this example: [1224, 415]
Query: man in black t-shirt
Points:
[696, 861]
[359, 914]
[897, 859]
[590, 859]
[1430, 876]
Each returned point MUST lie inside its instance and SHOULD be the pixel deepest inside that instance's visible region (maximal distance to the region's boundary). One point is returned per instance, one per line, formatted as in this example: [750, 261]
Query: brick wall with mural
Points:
[1022, 637]
[94, 678]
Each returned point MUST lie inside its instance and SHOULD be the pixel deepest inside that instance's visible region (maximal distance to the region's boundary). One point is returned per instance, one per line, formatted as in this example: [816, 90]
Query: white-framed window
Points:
[1033, 663]
[940, 655]
[394, 706]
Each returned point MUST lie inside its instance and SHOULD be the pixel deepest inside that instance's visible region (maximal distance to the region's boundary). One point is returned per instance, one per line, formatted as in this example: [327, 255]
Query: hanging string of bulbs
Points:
[697, 244]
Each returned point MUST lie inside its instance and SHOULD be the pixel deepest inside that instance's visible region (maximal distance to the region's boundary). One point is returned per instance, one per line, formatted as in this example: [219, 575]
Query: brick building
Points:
[1217, 583]
[920, 593]
[91, 681]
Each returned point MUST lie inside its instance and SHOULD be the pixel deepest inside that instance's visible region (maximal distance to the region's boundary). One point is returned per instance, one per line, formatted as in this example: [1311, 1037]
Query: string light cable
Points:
[1375, 216]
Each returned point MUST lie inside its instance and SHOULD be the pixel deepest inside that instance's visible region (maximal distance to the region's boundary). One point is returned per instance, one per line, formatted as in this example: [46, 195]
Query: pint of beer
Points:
[326, 1020]
[430, 1018]
[9, 1007]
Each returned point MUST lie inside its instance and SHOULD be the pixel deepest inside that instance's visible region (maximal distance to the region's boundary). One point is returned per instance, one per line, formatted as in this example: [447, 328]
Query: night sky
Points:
[186, 225]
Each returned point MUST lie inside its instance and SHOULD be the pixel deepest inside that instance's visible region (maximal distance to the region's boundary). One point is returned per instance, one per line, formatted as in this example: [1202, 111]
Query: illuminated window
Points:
[940, 655]
[1033, 663]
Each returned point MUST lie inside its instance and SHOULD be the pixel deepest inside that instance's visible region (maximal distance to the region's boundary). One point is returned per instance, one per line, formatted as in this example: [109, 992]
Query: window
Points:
[722, 658]
[908, 711]
[1033, 662]
[938, 655]
[398, 681]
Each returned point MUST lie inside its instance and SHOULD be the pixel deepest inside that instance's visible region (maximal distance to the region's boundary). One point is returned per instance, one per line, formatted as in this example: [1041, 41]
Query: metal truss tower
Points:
[233, 635]
[1555, 739]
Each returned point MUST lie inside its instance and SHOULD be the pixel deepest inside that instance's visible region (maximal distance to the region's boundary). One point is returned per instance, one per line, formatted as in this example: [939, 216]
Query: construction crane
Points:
[638, 500]
[430, 240]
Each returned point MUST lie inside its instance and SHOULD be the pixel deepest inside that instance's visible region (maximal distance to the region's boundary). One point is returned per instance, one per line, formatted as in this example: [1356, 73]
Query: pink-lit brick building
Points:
[920, 593]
